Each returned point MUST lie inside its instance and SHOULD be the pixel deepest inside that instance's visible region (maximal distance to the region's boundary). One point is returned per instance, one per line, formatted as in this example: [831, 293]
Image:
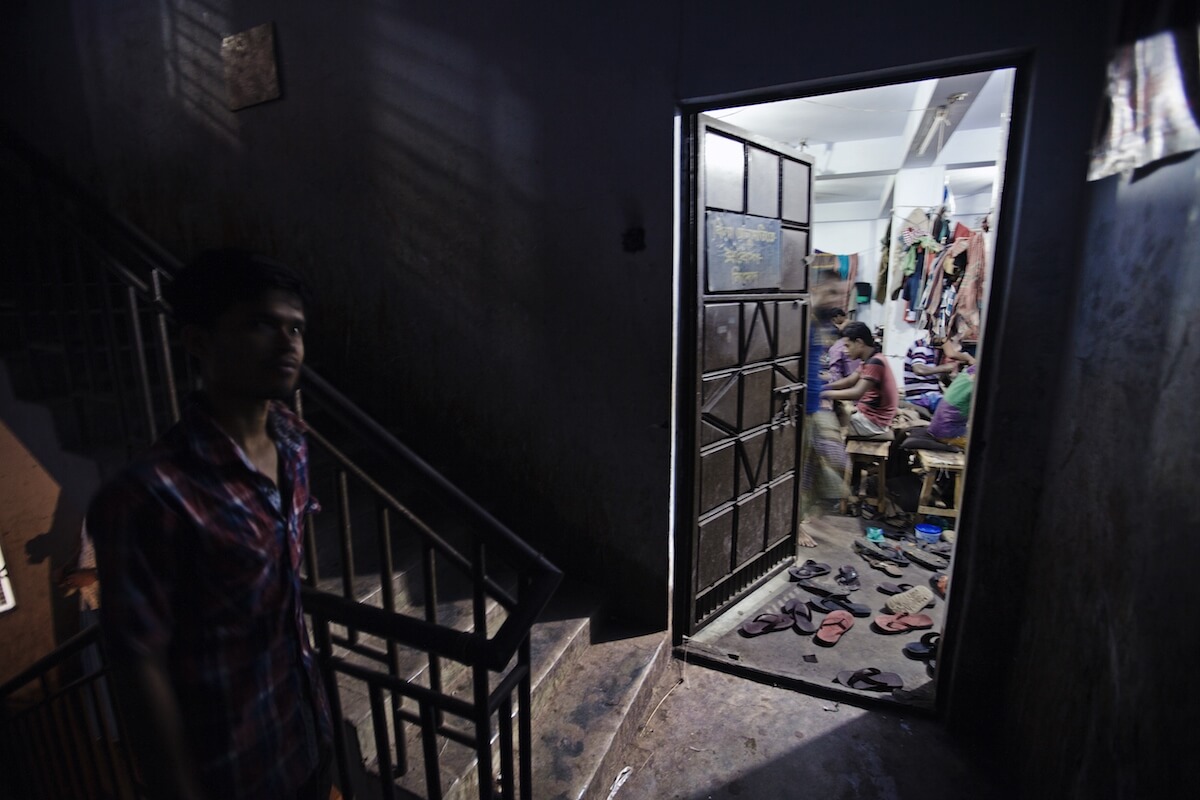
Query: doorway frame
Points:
[686, 461]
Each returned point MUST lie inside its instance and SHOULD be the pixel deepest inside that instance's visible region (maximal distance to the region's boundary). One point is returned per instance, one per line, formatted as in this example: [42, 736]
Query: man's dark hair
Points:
[859, 330]
[217, 279]
[827, 314]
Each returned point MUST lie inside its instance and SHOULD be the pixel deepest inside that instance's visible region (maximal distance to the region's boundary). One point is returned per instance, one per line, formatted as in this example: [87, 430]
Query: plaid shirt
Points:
[199, 557]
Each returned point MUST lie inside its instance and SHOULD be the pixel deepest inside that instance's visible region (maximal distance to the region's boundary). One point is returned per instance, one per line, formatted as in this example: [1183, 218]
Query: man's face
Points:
[255, 349]
[839, 320]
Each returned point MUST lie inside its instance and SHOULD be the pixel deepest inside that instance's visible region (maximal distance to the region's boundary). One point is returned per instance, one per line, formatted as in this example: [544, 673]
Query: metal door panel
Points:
[756, 397]
[758, 322]
[782, 507]
[797, 184]
[717, 476]
[791, 325]
[763, 186]
[724, 172]
[793, 266]
[752, 241]
[783, 450]
[721, 401]
[722, 326]
[712, 551]
[751, 527]
[754, 461]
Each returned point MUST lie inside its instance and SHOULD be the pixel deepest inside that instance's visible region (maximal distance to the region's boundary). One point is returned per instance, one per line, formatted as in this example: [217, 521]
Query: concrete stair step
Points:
[588, 701]
[582, 736]
[556, 641]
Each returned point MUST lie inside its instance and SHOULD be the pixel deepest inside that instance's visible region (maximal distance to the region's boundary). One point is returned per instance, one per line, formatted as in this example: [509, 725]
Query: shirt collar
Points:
[206, 439]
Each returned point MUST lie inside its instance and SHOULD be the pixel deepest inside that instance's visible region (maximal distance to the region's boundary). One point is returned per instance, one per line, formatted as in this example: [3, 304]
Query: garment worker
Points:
[199, 547]
[840, 362]
[872, 387]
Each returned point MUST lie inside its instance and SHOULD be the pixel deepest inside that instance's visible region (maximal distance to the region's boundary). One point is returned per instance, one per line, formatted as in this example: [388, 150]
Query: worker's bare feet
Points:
[804, 540]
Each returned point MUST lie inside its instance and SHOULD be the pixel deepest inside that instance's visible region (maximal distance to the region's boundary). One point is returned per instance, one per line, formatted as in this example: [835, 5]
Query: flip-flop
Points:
[802, 620]
[940, 584]
[831, 604]
[911, 600]
[923, 557]
[869, 679]
[925, 649]
[824, 589]
[766, 623]
[883, 566]
[809, 569]
[902, 623]
[883, 552]
[848, 577]
[833, 627]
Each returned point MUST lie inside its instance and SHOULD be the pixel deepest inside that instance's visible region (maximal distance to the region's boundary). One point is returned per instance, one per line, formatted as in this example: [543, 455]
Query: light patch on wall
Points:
[192, 34]
[7, 599]
[249, 60]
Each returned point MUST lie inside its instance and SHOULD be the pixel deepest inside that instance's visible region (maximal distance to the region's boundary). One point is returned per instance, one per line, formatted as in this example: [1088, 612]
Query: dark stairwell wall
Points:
[457, 186]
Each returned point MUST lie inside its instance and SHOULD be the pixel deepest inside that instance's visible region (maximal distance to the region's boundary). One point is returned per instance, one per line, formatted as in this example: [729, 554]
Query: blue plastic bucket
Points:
[929, 534]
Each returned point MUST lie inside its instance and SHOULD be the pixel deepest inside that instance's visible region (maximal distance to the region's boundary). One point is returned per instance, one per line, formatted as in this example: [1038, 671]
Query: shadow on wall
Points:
[40, 529]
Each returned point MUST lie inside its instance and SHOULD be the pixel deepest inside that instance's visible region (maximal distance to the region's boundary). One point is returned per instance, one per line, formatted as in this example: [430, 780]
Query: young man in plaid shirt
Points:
[199, 548]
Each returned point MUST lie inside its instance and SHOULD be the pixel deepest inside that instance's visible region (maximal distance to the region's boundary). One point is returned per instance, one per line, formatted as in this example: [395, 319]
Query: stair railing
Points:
[90, 290]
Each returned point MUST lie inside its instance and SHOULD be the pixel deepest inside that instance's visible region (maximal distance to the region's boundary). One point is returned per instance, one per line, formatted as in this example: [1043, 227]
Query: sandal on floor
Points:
[766, 623]
[802, 620]
[869, 679]
[848, 578]
[910, 601]
[902, 623]
[883, 552]
[833, 627]
[809, 569]
[925, 649]
[882, 566]
[923, 557]
[831, 604]
[823, 589]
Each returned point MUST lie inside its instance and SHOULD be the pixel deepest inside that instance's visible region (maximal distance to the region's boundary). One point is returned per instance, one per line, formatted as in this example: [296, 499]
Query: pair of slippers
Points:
[902, 623]
[795, 615]
[809, 569]
[869, 679]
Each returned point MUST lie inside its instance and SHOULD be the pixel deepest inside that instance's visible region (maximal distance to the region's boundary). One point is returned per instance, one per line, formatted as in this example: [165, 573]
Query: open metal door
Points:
[746, 296]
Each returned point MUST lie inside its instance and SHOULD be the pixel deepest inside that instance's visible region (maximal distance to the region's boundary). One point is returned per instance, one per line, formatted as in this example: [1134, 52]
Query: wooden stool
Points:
[866, 453]
[931, 462]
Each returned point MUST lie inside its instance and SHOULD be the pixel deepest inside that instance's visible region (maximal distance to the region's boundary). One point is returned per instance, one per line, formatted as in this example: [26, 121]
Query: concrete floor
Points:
[718, 736]
[790, 657]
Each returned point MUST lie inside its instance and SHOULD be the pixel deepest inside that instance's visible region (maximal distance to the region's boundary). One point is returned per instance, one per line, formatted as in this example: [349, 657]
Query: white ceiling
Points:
[861, 139]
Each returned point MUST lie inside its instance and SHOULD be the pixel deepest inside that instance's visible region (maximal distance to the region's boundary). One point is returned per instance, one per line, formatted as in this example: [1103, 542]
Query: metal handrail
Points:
[140, 267]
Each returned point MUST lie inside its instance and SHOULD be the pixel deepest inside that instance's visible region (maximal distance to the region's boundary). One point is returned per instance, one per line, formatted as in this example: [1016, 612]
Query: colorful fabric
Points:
[880, 401]
[916, 385]
[949, 421]
[199, 557]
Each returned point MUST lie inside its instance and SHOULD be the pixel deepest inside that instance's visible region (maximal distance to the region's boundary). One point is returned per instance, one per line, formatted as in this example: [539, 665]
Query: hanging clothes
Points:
[885, 247]
[968, 308]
